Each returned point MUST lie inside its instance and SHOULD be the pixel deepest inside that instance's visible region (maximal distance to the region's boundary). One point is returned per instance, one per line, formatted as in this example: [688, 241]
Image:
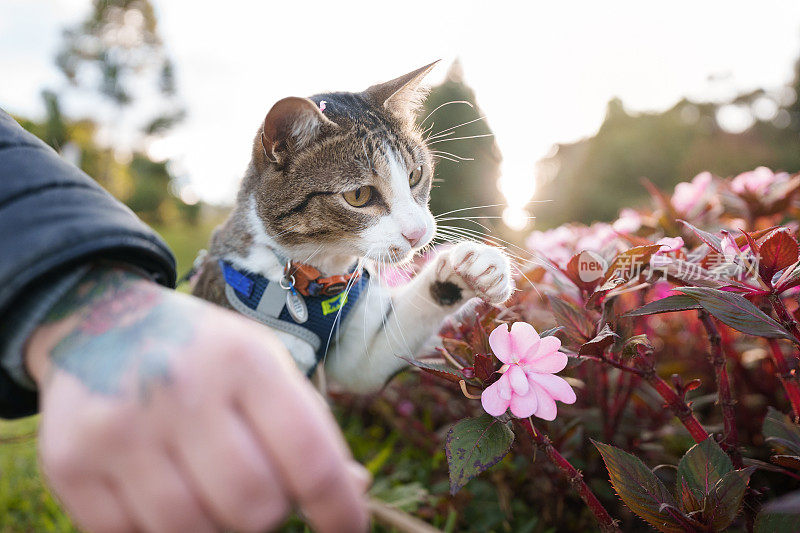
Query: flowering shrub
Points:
[676, 330]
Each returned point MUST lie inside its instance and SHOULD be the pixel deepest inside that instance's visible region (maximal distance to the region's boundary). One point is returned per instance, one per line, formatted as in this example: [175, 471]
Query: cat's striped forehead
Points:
[360, 118]
[368, 147]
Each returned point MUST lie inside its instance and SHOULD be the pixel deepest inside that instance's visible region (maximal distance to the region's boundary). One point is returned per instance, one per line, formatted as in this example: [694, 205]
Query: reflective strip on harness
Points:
[265, 301]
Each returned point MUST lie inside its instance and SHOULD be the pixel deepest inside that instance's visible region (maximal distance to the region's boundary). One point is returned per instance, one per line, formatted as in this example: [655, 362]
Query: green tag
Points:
[331, 305]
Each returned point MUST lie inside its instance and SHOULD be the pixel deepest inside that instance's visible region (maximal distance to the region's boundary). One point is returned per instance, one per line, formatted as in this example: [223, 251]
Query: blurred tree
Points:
[117, 52]
[467, 157]
[117, 56]
[597, 176]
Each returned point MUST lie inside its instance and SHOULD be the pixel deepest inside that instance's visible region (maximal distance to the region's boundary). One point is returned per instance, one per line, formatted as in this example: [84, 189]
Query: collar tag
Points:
[296, 306]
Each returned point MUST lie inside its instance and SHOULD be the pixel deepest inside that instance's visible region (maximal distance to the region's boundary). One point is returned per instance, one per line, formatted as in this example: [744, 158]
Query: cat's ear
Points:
[292, 123]
[401, 96]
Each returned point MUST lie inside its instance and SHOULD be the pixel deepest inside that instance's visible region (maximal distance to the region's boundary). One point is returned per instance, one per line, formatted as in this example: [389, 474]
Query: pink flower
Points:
[629, 221]
[730, 250]
[758, 181]
[688, 196]
[528, 384]
[596, 237]
[662, 289]
[670, 244]
[555, 244]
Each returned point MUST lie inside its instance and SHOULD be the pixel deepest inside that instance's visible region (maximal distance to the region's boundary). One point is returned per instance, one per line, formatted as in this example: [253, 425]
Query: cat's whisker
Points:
[477, 217]
[476, 235]
[350, 284]
[445, 135]
[443, 105]
[459, 157]
[315, 252]
[467, 209]
[462, 138]
[436, 135]
[445, 157]
[483, 238]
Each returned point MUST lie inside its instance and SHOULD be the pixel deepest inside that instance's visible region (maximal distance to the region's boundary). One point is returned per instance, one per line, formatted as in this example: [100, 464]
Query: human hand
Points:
[160, 412]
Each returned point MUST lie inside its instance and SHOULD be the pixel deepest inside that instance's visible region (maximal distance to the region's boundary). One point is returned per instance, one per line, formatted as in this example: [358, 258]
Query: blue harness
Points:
[266, 301]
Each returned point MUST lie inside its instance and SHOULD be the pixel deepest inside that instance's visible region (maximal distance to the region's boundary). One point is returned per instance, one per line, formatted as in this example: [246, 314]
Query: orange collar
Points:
[308, 280]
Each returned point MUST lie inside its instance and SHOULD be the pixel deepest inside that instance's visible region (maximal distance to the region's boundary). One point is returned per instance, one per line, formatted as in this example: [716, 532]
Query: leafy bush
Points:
[679, 327]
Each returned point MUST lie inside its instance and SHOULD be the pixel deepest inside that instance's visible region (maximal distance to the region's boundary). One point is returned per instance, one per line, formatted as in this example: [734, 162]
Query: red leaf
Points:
[484, 367]
[751, 242]
[585, 270]
[439, 370]
[778, 250]
[631, 263]
[597, 345]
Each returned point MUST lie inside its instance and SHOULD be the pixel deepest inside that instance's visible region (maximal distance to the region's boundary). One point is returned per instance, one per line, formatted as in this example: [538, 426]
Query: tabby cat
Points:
[337, 186]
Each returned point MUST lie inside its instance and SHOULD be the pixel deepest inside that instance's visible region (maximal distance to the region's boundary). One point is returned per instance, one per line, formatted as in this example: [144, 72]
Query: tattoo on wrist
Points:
[125, 332]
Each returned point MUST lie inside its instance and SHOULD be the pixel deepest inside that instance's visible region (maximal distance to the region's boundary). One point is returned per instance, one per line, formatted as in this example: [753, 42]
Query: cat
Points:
[337, 180]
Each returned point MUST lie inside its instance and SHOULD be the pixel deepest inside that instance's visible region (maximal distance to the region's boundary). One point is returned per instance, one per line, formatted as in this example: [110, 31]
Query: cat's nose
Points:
[414, 236]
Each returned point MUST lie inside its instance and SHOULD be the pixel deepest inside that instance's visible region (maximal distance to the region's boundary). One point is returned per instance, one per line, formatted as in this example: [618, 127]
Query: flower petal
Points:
[503, 387]
[518, 380]
[524, 405]
[546, 346]
[525, 339]
[548, 364]
[547, 406]
[501, 343]
[492, 402]
[555, 386]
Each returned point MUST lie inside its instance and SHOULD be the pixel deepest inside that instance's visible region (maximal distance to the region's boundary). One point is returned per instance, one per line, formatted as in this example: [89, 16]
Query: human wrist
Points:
[74, 306]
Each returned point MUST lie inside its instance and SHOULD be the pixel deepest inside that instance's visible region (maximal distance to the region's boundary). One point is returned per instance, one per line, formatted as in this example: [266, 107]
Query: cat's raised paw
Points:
[478, 269]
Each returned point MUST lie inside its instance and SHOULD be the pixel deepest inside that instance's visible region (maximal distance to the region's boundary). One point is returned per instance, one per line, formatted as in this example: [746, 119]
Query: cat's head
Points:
[345, 173]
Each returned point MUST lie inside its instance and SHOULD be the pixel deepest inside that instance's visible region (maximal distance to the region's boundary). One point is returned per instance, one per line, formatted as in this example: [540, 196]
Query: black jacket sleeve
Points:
[54, 217]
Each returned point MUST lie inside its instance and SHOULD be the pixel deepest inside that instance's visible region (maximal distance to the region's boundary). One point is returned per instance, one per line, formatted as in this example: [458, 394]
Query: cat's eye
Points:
[358, 197]
[415, 176]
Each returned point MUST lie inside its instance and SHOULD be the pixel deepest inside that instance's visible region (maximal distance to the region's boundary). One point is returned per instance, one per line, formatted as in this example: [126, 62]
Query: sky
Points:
[543, 72]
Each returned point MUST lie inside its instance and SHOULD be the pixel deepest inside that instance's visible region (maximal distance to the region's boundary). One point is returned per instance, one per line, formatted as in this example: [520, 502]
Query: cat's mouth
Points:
[394, 255]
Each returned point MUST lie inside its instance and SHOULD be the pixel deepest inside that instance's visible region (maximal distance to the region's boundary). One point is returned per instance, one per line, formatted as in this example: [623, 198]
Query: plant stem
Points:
[572, 475]
[725, 399]
[786, 376]
[785, 317]
[676, 404]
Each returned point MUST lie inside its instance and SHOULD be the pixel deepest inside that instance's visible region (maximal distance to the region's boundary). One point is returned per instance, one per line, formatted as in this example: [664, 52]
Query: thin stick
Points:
[397, 520]
[571, 474]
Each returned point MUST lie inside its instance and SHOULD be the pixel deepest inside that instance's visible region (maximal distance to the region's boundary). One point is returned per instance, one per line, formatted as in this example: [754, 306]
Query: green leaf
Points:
[677, 302]
[639, 488]
[737, 312]
[699, 470]
[781, 432]
[725, 498]
[474, 445]
[780, 516]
